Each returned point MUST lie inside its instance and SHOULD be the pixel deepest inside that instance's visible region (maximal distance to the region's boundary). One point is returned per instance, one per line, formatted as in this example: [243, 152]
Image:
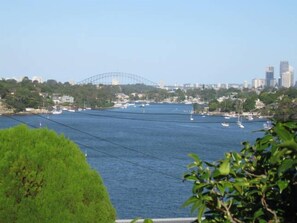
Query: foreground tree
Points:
[258, 184]
[45, 178]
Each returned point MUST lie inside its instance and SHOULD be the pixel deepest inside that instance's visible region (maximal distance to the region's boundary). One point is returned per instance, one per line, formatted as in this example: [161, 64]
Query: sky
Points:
[172, 41]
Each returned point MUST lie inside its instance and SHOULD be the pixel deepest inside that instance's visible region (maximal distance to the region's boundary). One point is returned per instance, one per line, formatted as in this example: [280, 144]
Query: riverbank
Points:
[247, 115]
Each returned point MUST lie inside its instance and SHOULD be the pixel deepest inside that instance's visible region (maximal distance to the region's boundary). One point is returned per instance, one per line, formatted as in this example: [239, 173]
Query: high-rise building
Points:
[283, 68]
[291, 69]
[287, 79]
[258, 83]
[269, 77]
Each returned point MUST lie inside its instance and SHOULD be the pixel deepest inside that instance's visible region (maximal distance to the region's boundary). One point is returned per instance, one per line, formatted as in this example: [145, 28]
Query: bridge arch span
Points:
[117, 78]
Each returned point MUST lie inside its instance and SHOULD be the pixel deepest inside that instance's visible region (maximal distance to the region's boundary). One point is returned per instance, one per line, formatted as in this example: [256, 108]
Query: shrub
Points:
[45, 178]
[258, 184]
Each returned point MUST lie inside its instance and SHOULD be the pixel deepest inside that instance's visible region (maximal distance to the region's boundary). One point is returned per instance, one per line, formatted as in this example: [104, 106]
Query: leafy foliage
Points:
[258, 184]
[45, 178]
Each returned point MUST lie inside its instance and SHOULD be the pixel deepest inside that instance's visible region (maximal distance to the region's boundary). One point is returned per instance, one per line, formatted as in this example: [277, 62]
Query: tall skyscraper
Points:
[269, 77]
[283, 68]
[288, 78]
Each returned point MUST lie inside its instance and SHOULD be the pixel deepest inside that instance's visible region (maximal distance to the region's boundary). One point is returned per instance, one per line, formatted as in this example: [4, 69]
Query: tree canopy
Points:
[258, 184]
[45, 178]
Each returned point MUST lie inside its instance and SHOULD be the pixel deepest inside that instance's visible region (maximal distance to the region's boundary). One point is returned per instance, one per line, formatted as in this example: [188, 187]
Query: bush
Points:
[258, 184]
[45, 178]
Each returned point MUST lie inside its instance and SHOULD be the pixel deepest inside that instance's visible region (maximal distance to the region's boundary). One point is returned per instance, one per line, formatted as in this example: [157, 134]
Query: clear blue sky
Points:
[175, 41]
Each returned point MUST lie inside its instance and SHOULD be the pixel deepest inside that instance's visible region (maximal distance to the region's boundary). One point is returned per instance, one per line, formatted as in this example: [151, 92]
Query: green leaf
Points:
[191, 165]
[134, 220]
[236, 156]
[216, 173]
[282, 185]
[290, 125]
[221, 188]
[201, 212]
[196, 205]
[258, 213]
[148, 220]
[190, 177]
[196, 187]
[191, 200]
[290, 144]
[224, 168]
[282, 132]
[195, 157]
[285, 165]
[238, 188]
[209, 164]
[264, 142]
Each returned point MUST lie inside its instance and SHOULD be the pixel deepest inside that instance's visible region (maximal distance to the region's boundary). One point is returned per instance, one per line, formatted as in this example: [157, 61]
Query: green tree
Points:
[286, 109]
[268, 97]
[45, 178]
[213, 105]
[181, 96]
[258, 184]
[249, 104]
[227, 105]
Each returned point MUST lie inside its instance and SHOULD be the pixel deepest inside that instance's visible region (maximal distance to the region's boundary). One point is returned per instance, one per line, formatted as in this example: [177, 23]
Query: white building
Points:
[67, 99]
[287, 79]
[258, 83]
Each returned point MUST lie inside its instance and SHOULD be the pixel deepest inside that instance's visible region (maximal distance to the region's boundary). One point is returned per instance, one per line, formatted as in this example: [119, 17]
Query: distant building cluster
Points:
[285, 79]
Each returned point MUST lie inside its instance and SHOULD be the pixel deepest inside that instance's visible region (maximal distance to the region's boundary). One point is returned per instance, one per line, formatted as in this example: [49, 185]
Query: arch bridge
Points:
[117, 78]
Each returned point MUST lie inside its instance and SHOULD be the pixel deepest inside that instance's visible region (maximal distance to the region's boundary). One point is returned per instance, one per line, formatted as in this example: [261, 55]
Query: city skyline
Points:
[285, 79]
[169, 41]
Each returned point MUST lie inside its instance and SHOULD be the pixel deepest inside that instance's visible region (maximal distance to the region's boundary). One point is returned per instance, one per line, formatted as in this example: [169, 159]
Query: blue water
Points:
[141, 153]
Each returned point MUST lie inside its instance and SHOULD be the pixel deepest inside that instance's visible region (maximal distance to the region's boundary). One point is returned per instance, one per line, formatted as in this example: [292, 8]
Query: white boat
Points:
[57, 112]
[239, 123]
[225, 124]
[250, 118]
[267, 125]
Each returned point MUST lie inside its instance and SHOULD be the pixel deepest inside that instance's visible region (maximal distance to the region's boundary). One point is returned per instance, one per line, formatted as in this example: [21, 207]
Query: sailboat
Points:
[240, 125]
[191, 116]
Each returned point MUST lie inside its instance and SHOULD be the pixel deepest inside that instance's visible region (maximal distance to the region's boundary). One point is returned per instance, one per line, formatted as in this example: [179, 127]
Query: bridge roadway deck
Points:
[162, 220]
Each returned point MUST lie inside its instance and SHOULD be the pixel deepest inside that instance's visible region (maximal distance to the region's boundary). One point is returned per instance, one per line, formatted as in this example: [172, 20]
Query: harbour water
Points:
[141, 151]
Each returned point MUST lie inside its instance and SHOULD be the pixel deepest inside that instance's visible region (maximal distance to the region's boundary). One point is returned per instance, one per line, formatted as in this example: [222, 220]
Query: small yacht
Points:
[250, 118]
[225, 124]
[57, 112]
[240, 125]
